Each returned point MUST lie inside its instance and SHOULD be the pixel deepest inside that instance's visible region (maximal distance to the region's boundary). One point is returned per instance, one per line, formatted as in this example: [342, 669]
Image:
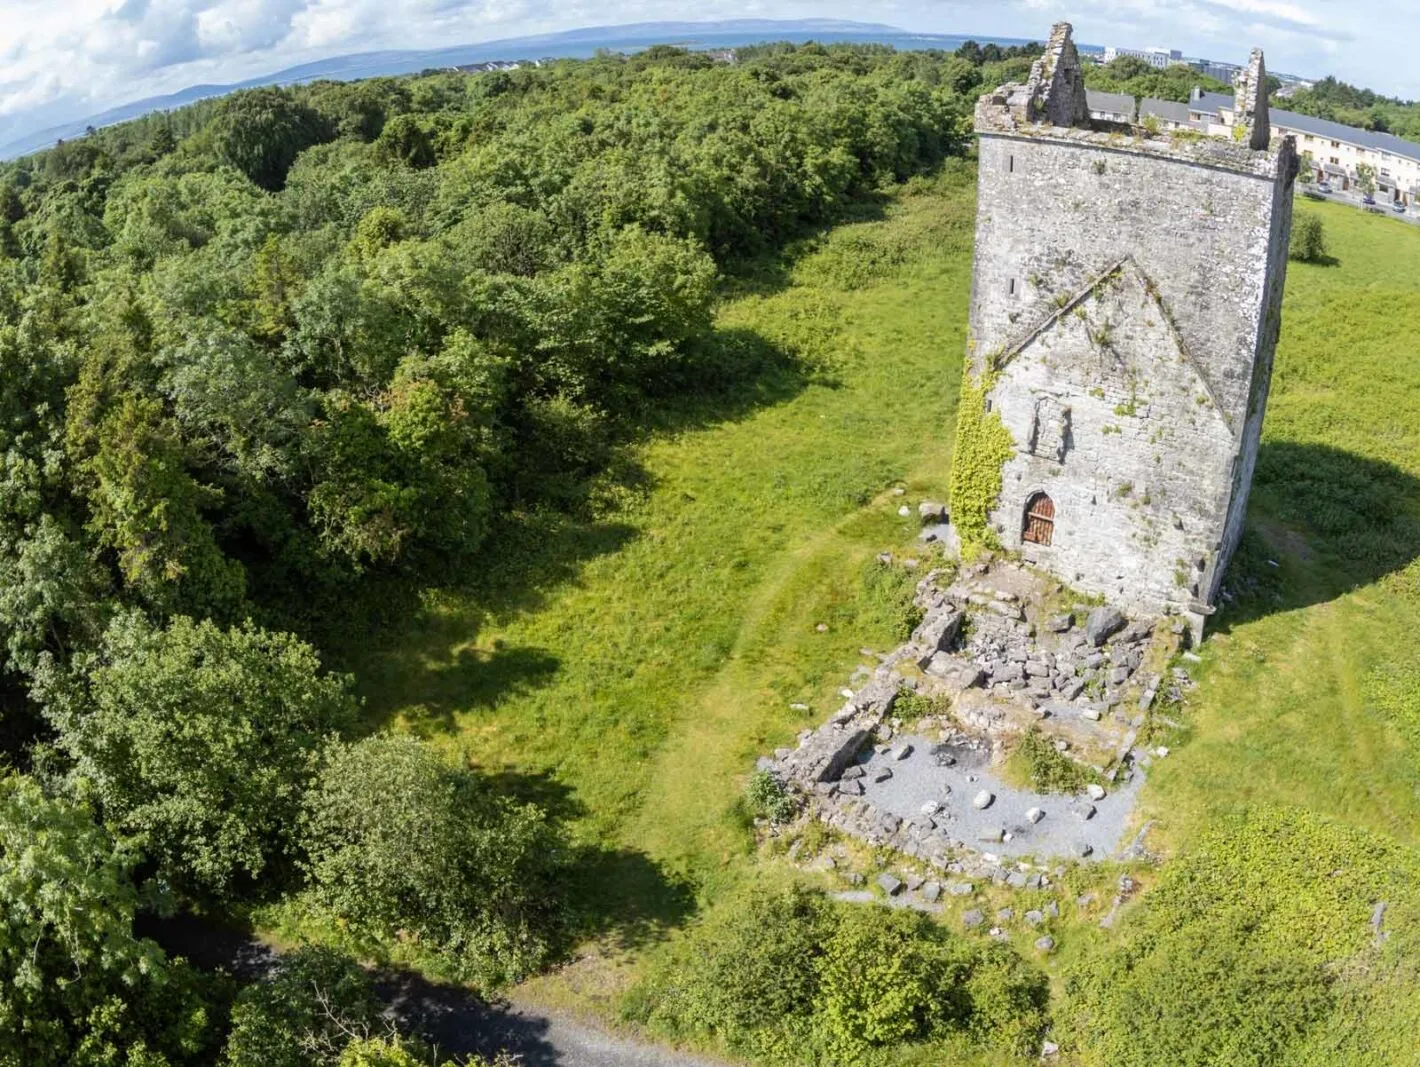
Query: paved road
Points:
[1411, 215]
[451, 1017]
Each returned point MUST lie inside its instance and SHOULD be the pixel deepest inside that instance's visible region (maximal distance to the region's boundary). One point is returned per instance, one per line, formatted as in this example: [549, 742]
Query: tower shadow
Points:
[1321, 522]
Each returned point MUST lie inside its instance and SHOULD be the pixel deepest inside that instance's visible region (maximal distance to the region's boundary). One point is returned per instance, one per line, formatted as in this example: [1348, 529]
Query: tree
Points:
[404, 140]
[198, 741]
[77, 989]
[262, 131]
[401, 842]
[1366, 179]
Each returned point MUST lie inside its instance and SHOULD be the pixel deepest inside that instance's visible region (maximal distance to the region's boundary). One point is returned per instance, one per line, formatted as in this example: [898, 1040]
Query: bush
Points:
[303, 1014]
[1256, 947]
[403, 846]
[889, 595]
[768, 799]
[1047, 770]
[791, 977]
[1308, 243]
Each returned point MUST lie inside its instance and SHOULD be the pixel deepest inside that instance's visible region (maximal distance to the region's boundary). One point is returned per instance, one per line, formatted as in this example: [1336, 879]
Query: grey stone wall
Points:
[1130, 290]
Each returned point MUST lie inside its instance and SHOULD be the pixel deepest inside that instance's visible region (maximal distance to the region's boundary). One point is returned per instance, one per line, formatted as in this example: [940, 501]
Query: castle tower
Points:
[1126, 304]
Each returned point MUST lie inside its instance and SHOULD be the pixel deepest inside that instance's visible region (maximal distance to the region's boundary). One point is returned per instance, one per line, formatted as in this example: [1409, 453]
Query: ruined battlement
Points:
[1126, 305]
[1052, 105]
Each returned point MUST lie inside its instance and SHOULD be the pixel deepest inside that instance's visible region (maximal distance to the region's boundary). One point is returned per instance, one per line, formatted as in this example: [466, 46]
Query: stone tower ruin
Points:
[1126, 304]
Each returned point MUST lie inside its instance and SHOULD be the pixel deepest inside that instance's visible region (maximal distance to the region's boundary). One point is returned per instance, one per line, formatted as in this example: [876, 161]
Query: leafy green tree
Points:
[197, 741]
[401, 842]
[77, 988]
[262, 131]
[148, 510]
[1366, 179]
[404, 140]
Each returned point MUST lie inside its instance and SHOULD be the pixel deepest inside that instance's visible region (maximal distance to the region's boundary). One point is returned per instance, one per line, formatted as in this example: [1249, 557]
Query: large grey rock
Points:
[938, 631]
[826, 752]
[1046, 944]
[1059, 624]
[973, 918]
[1095, 790]
[932, 892]
[983, 800]
[932, 513]
[961, 889]
[1008, 672]
[890, 885]
[1102, 623]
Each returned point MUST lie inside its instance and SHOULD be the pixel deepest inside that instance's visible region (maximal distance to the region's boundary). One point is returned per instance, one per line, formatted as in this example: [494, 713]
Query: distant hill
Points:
[569, 44]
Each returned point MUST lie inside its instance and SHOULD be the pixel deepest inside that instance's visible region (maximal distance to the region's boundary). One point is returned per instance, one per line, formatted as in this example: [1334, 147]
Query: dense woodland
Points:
[266, 358]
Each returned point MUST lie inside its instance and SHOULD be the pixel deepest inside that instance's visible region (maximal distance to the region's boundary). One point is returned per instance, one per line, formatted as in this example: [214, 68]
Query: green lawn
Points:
[628, 668]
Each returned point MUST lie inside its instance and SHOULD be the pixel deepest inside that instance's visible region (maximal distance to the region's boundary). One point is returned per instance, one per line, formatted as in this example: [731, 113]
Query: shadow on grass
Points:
[1321, 522]
[616, 894]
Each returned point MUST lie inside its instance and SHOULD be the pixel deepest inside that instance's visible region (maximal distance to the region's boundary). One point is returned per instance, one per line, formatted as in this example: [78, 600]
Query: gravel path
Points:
[919, 780]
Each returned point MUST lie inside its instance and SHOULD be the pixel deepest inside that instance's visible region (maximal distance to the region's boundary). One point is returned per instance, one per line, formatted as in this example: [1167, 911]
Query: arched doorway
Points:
[1040, 520]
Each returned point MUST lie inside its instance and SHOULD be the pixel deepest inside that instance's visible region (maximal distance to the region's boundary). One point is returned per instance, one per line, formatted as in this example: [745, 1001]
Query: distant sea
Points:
[572, 44]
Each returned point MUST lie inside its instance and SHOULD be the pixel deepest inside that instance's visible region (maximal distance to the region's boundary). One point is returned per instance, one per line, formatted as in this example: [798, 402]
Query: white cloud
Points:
[66, 59]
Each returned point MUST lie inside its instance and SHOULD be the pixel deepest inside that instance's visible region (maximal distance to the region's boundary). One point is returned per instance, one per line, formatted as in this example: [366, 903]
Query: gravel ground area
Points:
[1062, 831]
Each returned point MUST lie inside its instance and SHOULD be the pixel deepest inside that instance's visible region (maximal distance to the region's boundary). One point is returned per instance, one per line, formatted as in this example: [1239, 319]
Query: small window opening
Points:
[1039, 525]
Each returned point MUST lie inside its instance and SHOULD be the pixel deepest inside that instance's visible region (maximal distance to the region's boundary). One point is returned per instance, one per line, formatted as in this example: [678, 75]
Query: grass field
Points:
[627, 669]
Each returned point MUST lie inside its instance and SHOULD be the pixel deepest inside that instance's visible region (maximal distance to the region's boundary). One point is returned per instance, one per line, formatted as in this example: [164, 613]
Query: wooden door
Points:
[1040, 520]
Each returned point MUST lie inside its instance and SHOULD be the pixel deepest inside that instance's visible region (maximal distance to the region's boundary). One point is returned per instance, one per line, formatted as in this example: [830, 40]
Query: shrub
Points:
[790, 977]
[889, 593]
[768, 799]
[1308, 242]
[303, 1014]
[1257, 947]
[1047, 770]
[403, 846]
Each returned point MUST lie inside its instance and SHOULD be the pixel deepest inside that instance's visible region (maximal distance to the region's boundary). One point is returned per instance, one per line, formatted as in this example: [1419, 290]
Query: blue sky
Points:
[67, 59]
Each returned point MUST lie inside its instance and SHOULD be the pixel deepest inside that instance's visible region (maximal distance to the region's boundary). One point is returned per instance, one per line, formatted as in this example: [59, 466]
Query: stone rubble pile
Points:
[975, 633]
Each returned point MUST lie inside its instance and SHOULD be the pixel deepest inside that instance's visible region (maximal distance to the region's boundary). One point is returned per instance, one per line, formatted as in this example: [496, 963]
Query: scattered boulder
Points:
[932, 513]
[1095, 790]
[1102, 624]
[961, 889]
[1016, 880]
[1084, 849]
[973, 918]
[1034, 815]
[890, 885]
[1059, 624]
[882, 774]
[1035, 918]
[902, 752]
[983, 800]
[932, 892]
[904, 511]
[1046, 944]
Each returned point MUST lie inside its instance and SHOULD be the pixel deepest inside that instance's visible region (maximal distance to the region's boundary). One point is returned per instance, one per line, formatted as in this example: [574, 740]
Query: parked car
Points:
[1323, 187]
[1368, 200]
[1398, 208]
